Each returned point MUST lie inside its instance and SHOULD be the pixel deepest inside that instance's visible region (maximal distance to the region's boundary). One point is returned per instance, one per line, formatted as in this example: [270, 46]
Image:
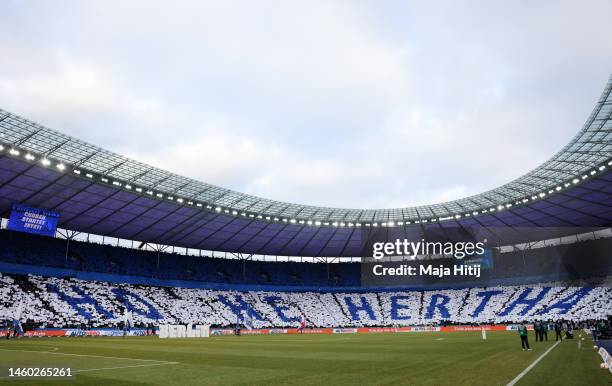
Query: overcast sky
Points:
[339, 103]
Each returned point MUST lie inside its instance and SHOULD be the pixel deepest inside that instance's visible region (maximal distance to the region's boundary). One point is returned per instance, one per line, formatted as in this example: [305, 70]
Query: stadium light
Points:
[14, 152]
[1, 148]
[76, 171]
[217, 209]
[61, 167]
[29, 157]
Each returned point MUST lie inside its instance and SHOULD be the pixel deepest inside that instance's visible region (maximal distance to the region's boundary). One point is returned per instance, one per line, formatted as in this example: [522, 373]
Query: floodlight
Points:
[14, 152]
[29, 157]
[61, 167]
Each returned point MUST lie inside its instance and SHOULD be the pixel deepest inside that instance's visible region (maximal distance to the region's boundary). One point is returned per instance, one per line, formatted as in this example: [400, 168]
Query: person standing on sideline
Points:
[522, 329]
[544, 331]
[558, 335]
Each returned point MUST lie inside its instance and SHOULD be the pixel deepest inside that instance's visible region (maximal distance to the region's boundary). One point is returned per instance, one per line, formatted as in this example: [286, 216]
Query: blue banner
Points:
[33, 220]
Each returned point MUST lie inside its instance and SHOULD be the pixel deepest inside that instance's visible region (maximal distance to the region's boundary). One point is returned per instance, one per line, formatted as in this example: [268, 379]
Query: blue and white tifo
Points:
[137, 245]
[72, 302]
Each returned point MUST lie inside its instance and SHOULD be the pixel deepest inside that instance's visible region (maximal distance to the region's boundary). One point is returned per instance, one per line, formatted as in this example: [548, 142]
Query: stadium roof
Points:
[102, 192]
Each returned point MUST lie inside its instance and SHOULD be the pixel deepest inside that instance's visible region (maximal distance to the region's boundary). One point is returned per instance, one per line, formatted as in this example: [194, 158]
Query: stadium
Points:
[327, 193]
[138, 251]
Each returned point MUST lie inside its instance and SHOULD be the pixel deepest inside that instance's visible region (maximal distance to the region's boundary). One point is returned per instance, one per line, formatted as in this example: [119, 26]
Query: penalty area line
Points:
[532, 365]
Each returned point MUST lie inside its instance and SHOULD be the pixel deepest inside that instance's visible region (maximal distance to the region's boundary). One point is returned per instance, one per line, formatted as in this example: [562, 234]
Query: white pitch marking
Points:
[127, 367]
[522, 374]
[84, 355]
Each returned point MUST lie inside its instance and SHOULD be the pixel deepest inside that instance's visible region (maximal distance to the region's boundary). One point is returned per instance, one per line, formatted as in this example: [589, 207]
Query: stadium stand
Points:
[564, 262]
[69, 302]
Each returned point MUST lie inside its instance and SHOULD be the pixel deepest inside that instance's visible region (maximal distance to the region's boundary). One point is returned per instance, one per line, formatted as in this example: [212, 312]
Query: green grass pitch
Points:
[383, 359]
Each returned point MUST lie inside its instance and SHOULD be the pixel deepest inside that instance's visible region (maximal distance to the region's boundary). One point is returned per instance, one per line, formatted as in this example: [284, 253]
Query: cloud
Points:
[336, 103]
